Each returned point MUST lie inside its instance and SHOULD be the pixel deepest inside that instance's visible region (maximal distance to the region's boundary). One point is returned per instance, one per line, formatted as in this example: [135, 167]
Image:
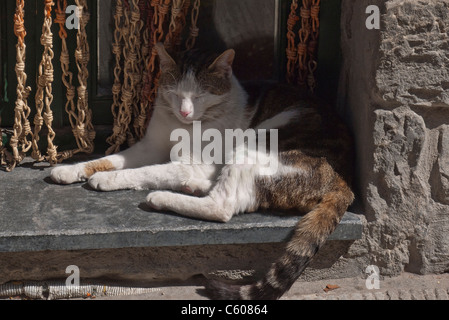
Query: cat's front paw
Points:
[67, 175]
[197, 187]
[104, 181]
[157, 200]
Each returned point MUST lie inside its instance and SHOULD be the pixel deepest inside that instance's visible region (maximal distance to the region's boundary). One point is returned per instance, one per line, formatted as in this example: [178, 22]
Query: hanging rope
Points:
[160, 17]
[84, 129]
[292, 52]
[304, 35]
[44, 97]
[119, 134]
[67, 76]
[194, 30]
[136, 74]
[79, 117]
[124, 115]
[147, 16]
[22, 128]
[177, 23]
[313, 45]
[302, 57]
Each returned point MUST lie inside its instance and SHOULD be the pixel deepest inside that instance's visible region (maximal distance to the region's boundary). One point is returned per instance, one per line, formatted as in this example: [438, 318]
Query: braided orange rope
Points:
[302, 58]
[313, 45]
[304, 36]
[61, 18]
[19, 26]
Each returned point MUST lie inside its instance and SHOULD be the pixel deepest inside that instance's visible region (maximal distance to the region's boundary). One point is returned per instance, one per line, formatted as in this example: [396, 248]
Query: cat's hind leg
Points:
[201, 181]
[233, 193]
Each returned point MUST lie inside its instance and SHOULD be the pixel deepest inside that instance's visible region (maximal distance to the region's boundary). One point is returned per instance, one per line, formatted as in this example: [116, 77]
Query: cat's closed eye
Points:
[173, 94]
[197, 96]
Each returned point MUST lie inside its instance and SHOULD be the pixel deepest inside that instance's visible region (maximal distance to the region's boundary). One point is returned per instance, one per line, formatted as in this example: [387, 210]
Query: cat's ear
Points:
[165, 59]
[223, 64]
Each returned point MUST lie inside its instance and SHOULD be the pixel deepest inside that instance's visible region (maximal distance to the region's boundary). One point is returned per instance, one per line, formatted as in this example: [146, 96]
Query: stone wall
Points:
[395, 93]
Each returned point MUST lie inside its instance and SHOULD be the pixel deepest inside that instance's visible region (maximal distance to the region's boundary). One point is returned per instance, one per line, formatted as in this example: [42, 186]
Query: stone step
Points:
[37, 215]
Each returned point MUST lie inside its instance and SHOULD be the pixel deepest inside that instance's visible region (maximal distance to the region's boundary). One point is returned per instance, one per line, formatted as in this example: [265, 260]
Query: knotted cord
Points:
[292, 51]
[301, 57]
[147, 16]
[194, 30]
[79, 115]
[84, 128]
[313, 45]
[44, 96]
[22, 128]
[119, 131]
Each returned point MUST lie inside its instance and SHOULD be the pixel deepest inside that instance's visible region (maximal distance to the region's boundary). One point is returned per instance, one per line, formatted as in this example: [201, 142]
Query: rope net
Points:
[25, 139]
[138, 26]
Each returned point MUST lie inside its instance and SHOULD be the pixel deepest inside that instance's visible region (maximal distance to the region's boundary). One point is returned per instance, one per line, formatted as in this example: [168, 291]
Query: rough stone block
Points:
[395, 93]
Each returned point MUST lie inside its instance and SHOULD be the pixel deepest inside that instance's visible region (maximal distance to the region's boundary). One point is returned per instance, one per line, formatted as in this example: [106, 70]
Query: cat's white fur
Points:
[224, 190]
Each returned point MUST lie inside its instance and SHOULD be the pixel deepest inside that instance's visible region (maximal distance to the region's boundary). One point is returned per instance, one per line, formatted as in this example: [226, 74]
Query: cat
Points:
[313, 175]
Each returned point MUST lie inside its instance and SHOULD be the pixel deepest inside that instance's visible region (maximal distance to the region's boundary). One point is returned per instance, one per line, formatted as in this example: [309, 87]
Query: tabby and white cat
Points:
[315, 161]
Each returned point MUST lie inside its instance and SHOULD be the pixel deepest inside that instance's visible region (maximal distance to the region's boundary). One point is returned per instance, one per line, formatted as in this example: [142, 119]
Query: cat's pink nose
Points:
[185, 114]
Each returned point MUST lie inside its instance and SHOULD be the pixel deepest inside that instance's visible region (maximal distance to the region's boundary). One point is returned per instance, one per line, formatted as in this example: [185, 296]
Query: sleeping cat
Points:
[312, 177]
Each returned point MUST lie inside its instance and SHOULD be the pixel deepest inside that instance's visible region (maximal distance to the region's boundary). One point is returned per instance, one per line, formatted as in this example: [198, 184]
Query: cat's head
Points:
[194, 82]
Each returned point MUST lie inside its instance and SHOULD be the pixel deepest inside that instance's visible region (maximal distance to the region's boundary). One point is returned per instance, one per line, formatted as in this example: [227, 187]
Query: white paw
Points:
[67, 174]
[104, 181]
[197, 187]
[157, 200]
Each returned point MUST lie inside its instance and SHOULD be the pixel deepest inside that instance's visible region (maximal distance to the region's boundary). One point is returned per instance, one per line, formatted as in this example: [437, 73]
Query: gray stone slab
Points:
[37, 215]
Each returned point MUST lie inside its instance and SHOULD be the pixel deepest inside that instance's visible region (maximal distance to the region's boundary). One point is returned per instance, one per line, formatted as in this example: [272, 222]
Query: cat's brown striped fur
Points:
[315, 156]
[320, 146]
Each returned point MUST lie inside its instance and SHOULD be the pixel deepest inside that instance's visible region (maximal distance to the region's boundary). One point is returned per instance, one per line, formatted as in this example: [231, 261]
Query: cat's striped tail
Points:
[310, 234]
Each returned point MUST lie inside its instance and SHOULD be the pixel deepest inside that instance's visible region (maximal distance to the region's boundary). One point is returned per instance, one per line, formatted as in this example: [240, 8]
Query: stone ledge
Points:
[37, 215]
